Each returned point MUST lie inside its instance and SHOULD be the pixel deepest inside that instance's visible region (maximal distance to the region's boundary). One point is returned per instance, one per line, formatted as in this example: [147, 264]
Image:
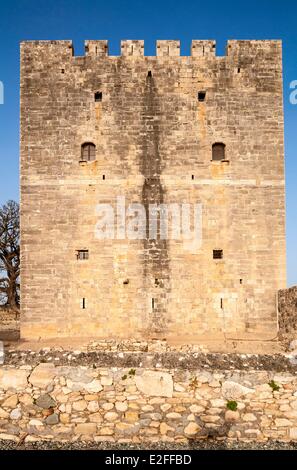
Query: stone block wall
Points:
[153, 142]
[69, 403]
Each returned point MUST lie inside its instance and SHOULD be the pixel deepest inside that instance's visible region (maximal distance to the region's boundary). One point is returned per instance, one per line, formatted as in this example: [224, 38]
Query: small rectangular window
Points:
[218, 151]
[217, 254]
[82, 254]
[83, 303]
[201, 96]
[98, 96]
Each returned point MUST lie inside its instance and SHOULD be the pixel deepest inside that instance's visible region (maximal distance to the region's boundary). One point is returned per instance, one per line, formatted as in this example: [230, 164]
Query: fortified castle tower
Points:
[158, 130]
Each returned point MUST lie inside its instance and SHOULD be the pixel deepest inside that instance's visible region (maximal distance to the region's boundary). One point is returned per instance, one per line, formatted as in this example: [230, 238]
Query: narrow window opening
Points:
[98, 96]
[218, 151]
[62, 70]
[88, 152]
[241, 281]
[222, 306]
[82, 254]
[149, 74]
[83, 303]
[217, 254]
[201, 96]
[193, 177]
[103, 177]
[238, 70]
[153, 304]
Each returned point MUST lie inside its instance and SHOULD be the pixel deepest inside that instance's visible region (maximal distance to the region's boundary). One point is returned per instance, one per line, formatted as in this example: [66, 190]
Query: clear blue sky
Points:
[149, 20]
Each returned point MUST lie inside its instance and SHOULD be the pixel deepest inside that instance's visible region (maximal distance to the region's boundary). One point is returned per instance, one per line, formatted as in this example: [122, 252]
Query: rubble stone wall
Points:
[69, 403]
[287, 307]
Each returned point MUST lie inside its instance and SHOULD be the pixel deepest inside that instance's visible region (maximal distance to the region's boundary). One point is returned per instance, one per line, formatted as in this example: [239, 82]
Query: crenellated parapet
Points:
[96, 48]
[164, 48]
[132, 48]
[168, 48]
[203, 48]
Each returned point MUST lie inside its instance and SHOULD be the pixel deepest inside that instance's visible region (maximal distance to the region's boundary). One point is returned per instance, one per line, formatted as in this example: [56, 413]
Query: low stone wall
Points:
[69, 403]
[9, 324]
[287, 307]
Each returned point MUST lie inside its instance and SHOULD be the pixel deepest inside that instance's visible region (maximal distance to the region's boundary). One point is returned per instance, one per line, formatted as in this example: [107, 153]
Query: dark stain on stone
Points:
[156, 259]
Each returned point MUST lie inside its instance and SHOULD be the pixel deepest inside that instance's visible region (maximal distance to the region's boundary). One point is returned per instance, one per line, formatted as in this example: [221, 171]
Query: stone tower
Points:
[166, 129]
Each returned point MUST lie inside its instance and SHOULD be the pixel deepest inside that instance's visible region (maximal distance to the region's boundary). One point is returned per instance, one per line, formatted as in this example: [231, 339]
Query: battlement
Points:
[164, 48]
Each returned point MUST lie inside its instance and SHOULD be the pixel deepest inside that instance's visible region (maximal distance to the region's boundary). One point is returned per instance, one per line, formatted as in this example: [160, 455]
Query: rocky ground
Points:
[171, 359]
[192, 445]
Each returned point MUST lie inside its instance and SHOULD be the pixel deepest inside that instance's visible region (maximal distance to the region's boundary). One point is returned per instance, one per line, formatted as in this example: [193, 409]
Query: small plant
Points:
[194, 383]
[231, 405]
[273, 385]
[124, 377]
[132, 372]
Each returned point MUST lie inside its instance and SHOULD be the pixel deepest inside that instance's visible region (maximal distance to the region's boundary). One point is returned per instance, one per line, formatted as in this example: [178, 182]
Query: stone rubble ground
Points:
[209, 444]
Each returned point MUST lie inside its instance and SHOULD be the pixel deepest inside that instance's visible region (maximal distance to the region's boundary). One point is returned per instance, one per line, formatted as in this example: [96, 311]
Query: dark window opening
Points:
[240, 280]
[222, 303]
[218, 151]
[126, 282]
[201, 95]
[149, 74]
[88, 152]
[153, 304]
[103, 177]
[62, 70]
[83, 303]
[82, 254]
[238, 70]
[217, 254]
[192, 177]
[157, 282]
[98, 96]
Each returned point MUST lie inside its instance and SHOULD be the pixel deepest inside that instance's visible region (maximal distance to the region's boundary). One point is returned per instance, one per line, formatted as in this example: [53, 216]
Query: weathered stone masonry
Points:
[153, 141]
[287, 306]
[64, 401]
